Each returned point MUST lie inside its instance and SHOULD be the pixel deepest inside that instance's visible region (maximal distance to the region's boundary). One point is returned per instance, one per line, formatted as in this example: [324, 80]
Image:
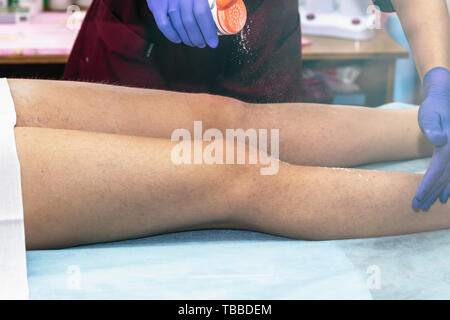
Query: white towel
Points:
[13, 269]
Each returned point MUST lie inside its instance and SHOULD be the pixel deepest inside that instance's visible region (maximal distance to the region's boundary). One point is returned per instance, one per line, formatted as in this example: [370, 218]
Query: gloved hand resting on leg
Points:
[434, 120]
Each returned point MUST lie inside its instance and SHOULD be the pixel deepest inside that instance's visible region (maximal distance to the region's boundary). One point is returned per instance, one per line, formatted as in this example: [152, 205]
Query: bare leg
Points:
[322, 203]
[341, 136]
[310, 134]
[82, 187]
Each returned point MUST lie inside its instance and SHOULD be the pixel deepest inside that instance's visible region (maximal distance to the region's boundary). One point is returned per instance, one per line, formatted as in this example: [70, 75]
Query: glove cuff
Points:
[437, 81]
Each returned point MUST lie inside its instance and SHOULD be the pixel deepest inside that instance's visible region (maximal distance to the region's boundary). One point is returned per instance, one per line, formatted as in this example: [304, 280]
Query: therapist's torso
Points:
[119, 43]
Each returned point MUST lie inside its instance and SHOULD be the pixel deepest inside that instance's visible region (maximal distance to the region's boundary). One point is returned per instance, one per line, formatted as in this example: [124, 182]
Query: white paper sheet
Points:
[13, 272]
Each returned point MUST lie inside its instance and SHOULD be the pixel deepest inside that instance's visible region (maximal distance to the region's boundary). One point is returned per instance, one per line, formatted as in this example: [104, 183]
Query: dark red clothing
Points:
[119, 43]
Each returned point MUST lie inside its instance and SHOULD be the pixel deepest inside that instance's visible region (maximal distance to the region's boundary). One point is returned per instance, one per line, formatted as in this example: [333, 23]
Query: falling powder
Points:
[244, 45]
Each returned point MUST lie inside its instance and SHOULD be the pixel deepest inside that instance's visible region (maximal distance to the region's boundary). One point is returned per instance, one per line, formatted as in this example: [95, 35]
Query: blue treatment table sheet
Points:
[246, 265]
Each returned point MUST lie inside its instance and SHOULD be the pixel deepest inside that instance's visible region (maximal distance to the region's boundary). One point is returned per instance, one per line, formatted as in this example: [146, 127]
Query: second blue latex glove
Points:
[434, 120]
[187, 21]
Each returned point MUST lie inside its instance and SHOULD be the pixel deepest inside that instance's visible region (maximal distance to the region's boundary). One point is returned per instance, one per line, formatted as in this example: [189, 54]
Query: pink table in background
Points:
[47, 39]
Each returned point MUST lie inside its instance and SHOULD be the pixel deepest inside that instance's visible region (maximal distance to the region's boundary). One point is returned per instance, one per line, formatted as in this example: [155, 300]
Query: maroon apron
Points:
[119, 43]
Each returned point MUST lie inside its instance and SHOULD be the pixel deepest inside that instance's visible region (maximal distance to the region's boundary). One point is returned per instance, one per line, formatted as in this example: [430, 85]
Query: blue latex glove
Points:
[187, 21]
[434, 120]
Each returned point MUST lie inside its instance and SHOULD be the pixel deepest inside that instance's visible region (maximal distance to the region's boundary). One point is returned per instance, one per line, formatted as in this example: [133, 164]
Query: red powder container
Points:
[230, 16]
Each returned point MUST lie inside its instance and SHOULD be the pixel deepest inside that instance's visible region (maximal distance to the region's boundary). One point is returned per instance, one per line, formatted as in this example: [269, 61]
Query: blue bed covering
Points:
[246, 265]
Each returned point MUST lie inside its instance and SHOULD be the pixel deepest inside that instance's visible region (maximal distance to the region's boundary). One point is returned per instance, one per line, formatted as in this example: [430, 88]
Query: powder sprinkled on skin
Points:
[342, 169]
[351, 171]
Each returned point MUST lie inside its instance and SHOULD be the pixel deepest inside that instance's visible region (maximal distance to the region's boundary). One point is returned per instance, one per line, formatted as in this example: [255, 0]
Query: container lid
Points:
[224, 4]
[233, 19]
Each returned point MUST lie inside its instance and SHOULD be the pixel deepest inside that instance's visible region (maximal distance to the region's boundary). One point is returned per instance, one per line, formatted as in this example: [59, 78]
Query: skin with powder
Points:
[96, 166]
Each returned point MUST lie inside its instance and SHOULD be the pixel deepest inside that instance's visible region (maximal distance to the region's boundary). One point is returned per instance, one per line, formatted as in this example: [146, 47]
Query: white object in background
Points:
[16, 16]
[353, 7]
[59, 5]
[84, 3]
[13, 267]
[35, 6]
[352, 19]
[324, 6]
[75, 20]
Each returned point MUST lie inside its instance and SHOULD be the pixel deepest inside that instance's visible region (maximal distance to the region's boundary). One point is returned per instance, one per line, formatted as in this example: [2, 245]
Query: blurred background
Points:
[353, 54]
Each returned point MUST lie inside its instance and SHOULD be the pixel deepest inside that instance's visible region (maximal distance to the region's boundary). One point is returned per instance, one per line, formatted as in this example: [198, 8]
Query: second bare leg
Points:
[315, 135]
